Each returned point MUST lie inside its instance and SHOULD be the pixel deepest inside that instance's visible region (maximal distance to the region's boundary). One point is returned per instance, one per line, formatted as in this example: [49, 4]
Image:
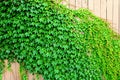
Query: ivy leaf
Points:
[65, 46]
[39, 62]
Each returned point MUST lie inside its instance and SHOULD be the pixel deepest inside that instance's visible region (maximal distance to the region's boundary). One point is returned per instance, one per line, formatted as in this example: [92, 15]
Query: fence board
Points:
[109, 11]
[91, 5]
[119, 17]
[84, 3]
[78, 4]
[12, 73]
[115, 16]
[103, 9]
[72, 4]
[97, 7]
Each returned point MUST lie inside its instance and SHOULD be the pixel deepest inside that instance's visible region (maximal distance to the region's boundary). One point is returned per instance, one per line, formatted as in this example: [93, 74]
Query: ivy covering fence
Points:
[61, 44]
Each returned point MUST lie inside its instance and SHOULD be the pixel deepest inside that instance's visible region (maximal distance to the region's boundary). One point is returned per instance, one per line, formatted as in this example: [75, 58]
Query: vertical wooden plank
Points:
[72, 4]
[97, 7]
[109, 11]
[112, 12]
[18, 70]
[115, 15]
[41, 78]
[100, 7]
[75, 4]
[88, 3]
[78, 4]
[119, 18]
[91, 5]
[33, 77]
[84, 4]
[68, 3]
[7, 75]
[103, 9]
[15, 71]
[30, 76]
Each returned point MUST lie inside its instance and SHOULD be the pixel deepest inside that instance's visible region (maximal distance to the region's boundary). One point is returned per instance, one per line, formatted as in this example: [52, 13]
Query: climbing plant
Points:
[61, 44]
[1, 69]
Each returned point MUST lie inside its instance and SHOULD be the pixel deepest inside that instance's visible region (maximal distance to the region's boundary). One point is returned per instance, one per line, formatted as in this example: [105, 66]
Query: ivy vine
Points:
[61, 44]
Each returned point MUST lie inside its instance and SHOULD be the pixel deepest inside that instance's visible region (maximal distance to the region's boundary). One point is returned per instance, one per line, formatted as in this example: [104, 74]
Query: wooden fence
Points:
[106, 9]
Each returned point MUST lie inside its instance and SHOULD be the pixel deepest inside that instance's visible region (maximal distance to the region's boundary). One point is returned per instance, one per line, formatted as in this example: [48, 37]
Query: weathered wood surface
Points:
[106, 9]
[14, 73]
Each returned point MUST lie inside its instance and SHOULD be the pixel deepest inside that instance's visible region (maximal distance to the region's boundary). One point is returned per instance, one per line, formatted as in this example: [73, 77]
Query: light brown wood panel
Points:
[84, 4]
[78, 4]
[97, 7]
[104, 9]
[30, 76]
[13, 73]
[15, 70]
[33, 77]
[91, 5]
[119, 17]
[72, 4]
[109, 11]
[115, 16]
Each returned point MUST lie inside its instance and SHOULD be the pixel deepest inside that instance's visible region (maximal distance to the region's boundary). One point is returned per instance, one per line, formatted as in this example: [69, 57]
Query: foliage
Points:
[61, 44]
[1, 69]
[23, 73]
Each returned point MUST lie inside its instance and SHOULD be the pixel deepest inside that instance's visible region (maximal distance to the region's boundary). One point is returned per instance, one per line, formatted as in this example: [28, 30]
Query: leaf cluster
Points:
[61, 44]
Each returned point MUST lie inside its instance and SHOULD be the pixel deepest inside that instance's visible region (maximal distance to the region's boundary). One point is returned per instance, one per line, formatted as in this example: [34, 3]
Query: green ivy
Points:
[23, 73]
[61, 44]
[1, 68]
